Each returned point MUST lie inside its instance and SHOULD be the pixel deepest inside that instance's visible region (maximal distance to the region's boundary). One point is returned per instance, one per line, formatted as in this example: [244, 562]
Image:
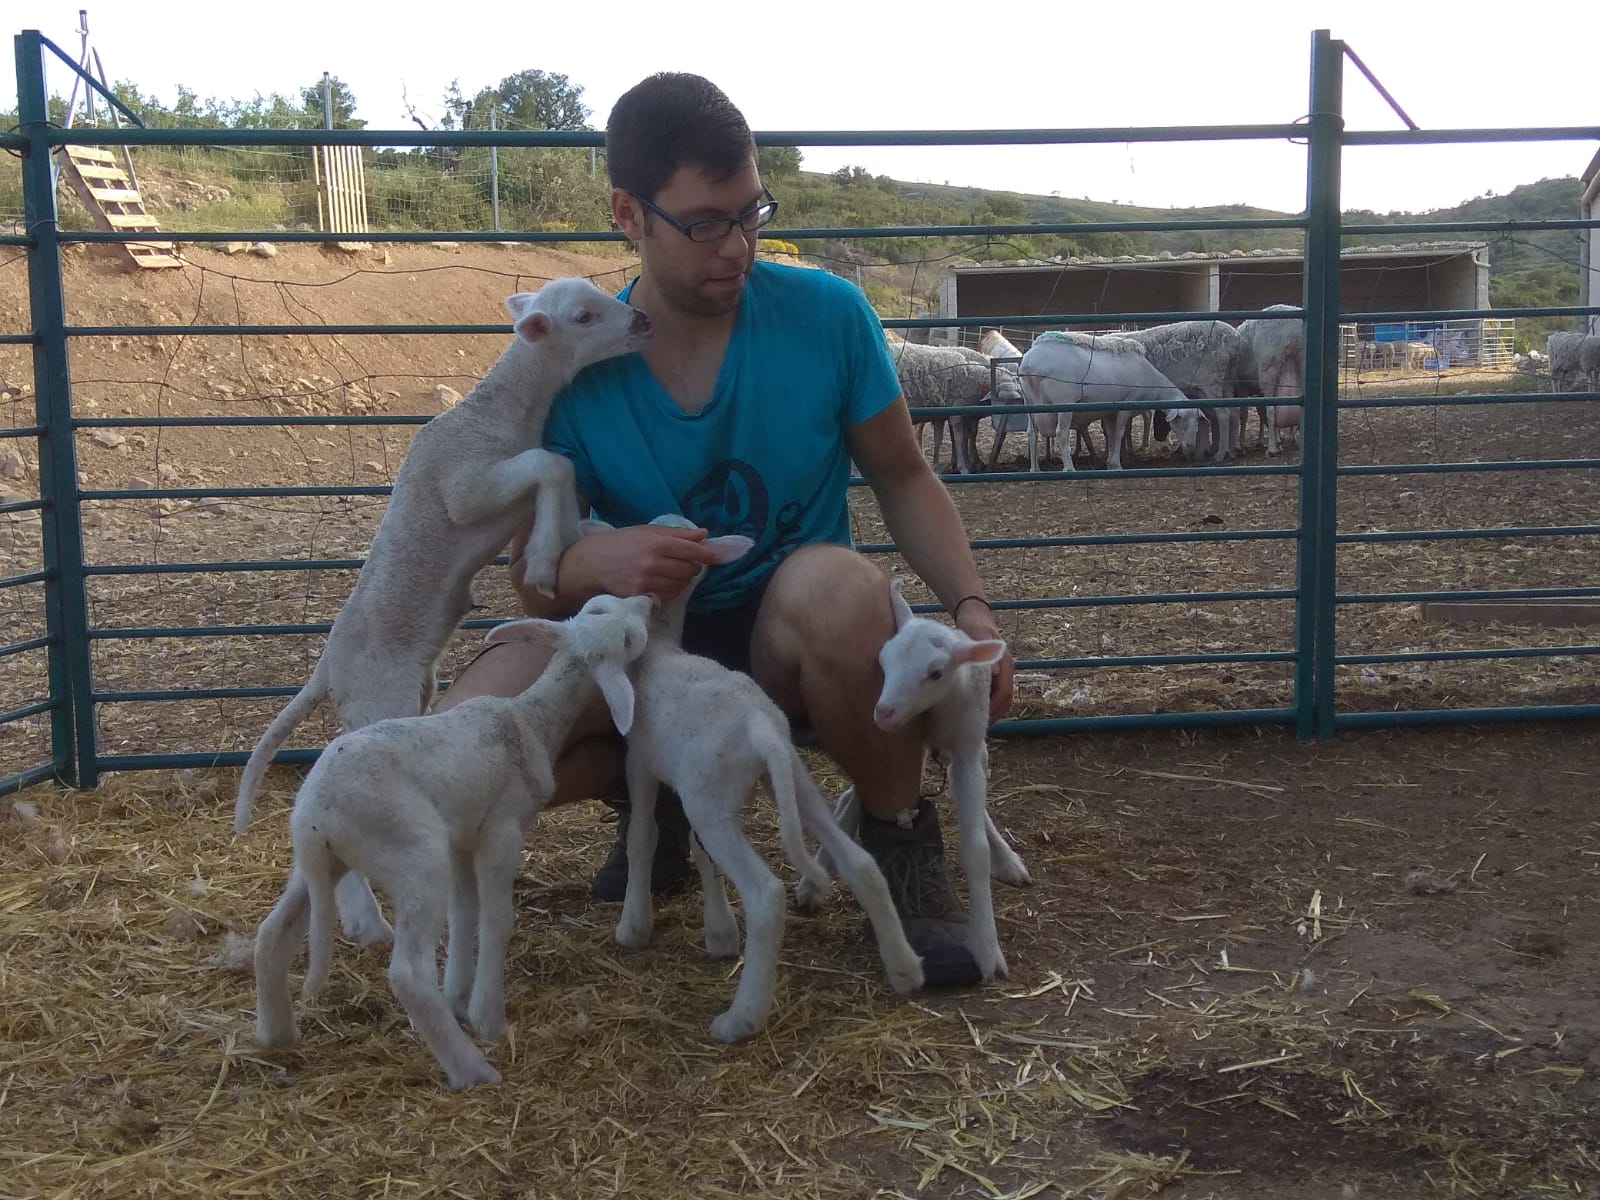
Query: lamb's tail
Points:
[297, 710]
[782, 764]
[315, 863]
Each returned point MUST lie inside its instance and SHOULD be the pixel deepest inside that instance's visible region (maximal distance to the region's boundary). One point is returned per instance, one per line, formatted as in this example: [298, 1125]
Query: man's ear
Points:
[628, 213]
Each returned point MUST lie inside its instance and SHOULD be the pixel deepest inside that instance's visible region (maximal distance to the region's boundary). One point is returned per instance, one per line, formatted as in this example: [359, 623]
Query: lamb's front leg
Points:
[762, 897]
[633, 926]
[480, 493]
[968, 789]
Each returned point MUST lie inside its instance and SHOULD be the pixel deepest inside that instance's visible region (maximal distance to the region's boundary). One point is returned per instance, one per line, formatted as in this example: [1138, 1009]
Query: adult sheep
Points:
[1202, 358]
[1272, 359]
[1574, 361]
[1081, 370]
[941, 377]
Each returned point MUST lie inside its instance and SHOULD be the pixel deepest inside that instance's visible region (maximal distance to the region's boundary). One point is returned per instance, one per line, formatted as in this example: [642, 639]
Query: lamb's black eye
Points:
[585, 317]
[936, 674]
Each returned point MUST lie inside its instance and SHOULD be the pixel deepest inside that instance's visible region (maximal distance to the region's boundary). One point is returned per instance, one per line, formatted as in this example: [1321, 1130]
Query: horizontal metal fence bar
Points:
[11, 581]
[223, 422]
[1145, 598]
[127, 136]
[1400, 316]
[803, 233]
[1549, 593]
[18, 339]
[1209, 719]
[21, 506]
[1157, 660]
[26, 710]
[219, 758]
[1447, 468]
[1465, 398]
[38, 643]
[170, 694]
[22, 431]
[1428, 227]
[1105, 539]
[142, 633]
[385, 236]
[1031, 320]
[219, 568]
[1184, 472]
[1445, 137]
[1437, 535]
[1360, 660]
[22, 779]
[1387, 719]
[89, 331]
[234, 493]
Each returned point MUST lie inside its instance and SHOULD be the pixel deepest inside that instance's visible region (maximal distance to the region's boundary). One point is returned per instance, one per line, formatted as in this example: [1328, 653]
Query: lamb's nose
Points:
[883, 716]
[641, 323]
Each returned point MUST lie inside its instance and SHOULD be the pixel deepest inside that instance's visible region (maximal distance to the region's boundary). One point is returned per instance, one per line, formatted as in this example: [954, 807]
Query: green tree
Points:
[344, 105]
[777, 161]
[530, 100]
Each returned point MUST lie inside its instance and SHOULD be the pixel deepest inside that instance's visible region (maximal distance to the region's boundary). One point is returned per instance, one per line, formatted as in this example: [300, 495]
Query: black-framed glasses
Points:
[714, 229]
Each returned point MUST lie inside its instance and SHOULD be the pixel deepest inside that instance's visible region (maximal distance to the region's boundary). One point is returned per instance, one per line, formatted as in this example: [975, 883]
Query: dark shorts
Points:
[724, 637]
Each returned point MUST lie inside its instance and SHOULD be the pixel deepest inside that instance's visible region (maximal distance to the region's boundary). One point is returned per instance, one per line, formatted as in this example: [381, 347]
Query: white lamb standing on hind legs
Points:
[461, 493]
[434, 809]
[710, 734]
[931, 668]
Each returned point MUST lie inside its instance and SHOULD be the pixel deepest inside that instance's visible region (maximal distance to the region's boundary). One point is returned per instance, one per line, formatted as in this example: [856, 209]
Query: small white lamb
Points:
[710, 734]
[463, 489]
[934, 669]
[434, 809]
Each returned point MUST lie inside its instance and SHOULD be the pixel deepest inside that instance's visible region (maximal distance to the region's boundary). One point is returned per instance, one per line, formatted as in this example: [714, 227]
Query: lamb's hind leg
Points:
[480, 493]
[967, 789]
[762, 896]
[279, 936]
[499, 855]
[419, 906]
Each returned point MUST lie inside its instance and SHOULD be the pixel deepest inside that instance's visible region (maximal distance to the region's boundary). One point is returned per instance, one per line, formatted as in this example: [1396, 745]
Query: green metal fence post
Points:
[1319, 423]
[72, 740]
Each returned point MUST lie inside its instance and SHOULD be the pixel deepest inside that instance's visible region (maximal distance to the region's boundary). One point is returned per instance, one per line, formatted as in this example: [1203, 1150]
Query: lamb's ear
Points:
[617, 688]
[531, 629]
[987, 652]
[902, 610]
[526, 319]
[730, 546]
[594, 525]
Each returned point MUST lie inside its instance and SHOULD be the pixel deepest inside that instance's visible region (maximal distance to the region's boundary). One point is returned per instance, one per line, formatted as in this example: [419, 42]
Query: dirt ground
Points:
[1248, 968]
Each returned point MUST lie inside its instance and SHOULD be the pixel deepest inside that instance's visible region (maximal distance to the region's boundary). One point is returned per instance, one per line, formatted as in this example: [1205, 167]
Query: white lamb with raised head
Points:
[928, 667]
[1272, 362]
[711, 734]
[434, 810]
[463, 490]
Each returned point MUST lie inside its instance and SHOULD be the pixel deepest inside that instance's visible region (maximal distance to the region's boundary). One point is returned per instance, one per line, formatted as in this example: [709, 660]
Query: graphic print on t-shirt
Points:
[730, 498]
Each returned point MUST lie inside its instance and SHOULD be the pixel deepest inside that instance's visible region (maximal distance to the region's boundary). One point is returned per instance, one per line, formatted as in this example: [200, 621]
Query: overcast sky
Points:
[829, 65]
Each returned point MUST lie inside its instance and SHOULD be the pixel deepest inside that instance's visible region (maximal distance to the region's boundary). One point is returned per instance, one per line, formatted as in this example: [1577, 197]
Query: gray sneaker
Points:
[911, 857]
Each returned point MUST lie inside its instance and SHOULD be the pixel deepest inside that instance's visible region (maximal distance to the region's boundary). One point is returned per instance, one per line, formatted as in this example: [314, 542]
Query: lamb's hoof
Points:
[369, 930]
[1012, 872]
[722, 943]
[489, 1027]
[733, 1027]
[990, 960]
[275, 1036]
[471, 1074]
[810, 896]
[635, 936]
[906, 978]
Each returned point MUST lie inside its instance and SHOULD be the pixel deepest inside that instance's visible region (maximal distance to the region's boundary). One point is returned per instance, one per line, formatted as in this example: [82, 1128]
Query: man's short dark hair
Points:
[673, 120]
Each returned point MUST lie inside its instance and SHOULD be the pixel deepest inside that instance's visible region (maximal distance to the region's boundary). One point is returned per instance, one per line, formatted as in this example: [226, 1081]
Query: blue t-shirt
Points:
[766, 456]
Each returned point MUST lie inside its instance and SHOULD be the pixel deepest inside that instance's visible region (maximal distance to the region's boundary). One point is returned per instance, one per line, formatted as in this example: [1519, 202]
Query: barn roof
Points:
[1199, 257]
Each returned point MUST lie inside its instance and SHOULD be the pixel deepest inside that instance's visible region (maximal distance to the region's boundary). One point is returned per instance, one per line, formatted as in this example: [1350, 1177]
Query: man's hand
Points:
[655, 560]
[977, 622]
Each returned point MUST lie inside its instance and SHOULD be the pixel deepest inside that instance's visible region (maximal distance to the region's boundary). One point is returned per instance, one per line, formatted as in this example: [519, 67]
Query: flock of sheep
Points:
[433, 809]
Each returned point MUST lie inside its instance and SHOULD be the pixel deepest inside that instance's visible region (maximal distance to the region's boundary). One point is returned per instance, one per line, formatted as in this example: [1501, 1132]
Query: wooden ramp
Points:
[103, 187]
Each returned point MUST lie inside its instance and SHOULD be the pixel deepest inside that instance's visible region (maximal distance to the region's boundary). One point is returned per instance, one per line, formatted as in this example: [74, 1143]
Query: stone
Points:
[264, 250]
[109, 438]
[446, 395]
[12, 465]
[139, 484]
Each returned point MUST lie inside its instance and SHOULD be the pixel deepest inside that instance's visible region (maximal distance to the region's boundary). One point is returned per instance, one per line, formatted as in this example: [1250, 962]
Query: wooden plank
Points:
[115, 195]
[132, 221]
[91, 154]
[1514, 612]
[99, 171]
